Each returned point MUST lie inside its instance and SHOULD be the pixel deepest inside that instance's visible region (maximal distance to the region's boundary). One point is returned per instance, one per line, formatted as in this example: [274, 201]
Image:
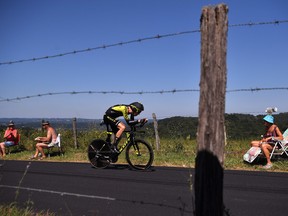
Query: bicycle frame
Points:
[129, 138]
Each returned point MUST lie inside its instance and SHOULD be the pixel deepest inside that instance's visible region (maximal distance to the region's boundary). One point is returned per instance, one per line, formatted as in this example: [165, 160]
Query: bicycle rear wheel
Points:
[98, 153]
[139, 154]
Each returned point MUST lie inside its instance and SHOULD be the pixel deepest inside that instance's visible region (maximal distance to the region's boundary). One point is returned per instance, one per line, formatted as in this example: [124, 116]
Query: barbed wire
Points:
[100, 47]
[257, 89]
[137, 41]
[135, 92]
[275, 22]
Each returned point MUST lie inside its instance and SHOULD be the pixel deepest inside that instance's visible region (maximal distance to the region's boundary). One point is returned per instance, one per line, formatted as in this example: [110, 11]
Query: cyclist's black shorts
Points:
[113, 123]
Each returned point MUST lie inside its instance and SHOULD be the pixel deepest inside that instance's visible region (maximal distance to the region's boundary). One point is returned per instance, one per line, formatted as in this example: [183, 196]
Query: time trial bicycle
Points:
[139, 153]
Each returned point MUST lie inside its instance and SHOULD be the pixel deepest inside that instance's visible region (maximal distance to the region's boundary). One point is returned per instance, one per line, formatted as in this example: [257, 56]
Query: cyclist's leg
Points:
[120, 129]
[117, 127]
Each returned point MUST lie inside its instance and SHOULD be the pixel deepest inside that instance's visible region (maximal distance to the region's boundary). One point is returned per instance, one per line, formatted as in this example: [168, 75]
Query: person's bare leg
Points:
[266, 149]
[121, 126]
[40, 147]
[2, 149]
[42, 152]
[255, 143]
[36, 152]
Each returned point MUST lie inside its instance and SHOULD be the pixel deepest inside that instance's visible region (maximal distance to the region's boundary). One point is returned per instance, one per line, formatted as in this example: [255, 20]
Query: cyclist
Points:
[128, 112]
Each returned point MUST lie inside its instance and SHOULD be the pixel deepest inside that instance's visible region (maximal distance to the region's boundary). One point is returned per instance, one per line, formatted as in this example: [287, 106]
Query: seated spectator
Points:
[11, 138]
[45, 142]
[266, 143]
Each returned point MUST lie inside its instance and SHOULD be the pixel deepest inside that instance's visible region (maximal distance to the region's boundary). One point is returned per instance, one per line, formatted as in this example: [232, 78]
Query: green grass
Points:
[172, 152]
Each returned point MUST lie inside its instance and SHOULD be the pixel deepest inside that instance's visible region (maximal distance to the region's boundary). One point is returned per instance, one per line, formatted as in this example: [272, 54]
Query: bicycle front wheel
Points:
[139, 155]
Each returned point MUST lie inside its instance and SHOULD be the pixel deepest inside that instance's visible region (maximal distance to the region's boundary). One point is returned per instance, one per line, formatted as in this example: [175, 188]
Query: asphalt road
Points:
[78, 189]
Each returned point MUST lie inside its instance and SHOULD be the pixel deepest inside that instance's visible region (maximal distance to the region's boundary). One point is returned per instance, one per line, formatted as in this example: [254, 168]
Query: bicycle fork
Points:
[136, 149]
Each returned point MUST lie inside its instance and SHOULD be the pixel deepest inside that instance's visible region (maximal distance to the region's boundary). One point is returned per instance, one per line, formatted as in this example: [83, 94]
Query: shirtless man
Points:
[45, 142]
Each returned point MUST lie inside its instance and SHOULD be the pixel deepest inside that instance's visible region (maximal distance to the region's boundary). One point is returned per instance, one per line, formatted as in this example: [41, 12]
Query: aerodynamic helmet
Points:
[137, 107]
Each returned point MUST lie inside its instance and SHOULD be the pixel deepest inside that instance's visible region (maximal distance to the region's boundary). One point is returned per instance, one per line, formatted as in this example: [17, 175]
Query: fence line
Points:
[139, 92]
[137, 41]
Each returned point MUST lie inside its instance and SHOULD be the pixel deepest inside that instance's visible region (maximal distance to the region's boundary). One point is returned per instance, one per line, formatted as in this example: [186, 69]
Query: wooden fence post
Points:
[208, 182]
[75, 133]
[156, 131]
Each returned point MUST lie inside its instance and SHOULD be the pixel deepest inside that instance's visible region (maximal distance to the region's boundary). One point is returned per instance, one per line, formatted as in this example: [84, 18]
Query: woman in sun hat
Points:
[10, 136]
[266, 143]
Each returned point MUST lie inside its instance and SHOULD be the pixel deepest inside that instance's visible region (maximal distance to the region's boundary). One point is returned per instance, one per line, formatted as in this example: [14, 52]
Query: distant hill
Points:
[237, 125]
[65, 123]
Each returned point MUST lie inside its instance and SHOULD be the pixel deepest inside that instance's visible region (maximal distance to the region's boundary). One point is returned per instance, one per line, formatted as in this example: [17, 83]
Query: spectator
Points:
[11, 137]
[266, 143]
[45, 142]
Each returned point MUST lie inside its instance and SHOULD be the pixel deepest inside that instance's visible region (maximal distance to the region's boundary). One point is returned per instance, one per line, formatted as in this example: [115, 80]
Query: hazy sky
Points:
[257, 56]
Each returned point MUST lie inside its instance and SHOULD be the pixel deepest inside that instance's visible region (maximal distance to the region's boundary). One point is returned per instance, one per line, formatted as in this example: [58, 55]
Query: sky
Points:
[257, 56]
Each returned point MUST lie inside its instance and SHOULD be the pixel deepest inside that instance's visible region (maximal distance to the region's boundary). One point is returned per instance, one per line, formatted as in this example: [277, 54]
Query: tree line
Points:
[238, 126]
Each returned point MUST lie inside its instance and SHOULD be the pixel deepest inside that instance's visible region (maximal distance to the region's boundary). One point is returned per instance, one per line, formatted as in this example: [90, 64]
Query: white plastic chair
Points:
[57, 144]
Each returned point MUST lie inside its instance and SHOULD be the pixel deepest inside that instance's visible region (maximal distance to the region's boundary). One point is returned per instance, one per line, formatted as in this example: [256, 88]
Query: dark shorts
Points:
[113, 123]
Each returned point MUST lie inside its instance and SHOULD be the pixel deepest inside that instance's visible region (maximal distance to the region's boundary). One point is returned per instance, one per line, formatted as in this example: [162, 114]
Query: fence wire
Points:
[136, 92]
[276, 22]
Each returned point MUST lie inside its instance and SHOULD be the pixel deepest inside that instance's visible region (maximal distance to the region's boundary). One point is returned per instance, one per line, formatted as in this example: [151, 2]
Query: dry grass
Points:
[178, 152]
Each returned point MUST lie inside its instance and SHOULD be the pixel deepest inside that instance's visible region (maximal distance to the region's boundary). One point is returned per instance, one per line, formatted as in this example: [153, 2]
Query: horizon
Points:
[79, 118]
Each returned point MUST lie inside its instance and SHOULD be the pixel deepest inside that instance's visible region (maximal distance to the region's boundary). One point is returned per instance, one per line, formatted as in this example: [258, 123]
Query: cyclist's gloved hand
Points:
[142, 121]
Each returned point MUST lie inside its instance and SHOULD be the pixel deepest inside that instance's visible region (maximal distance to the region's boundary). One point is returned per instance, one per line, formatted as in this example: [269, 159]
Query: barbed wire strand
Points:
[136, 41]
[136, 92]
[99, 47]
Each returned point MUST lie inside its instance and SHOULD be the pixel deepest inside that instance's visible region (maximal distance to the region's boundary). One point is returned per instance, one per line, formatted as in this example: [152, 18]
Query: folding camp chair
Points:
[283, 144]
[280, 148]
[285, 136]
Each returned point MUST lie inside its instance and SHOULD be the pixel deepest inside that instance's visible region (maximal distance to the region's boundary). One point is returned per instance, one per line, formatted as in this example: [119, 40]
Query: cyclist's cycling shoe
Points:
[114, 158]
[114, 149]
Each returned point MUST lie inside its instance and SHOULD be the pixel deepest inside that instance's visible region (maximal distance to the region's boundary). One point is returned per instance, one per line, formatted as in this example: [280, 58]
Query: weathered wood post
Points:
[208, 182]
[157, 139]
[75, 133]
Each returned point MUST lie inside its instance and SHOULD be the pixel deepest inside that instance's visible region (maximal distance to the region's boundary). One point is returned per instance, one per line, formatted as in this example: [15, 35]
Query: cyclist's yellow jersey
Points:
[117, 111]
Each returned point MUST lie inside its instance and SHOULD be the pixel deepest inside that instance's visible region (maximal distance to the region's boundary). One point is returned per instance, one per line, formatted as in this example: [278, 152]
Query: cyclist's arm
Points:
[138, 121]
[133, 122]
[130, 120]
